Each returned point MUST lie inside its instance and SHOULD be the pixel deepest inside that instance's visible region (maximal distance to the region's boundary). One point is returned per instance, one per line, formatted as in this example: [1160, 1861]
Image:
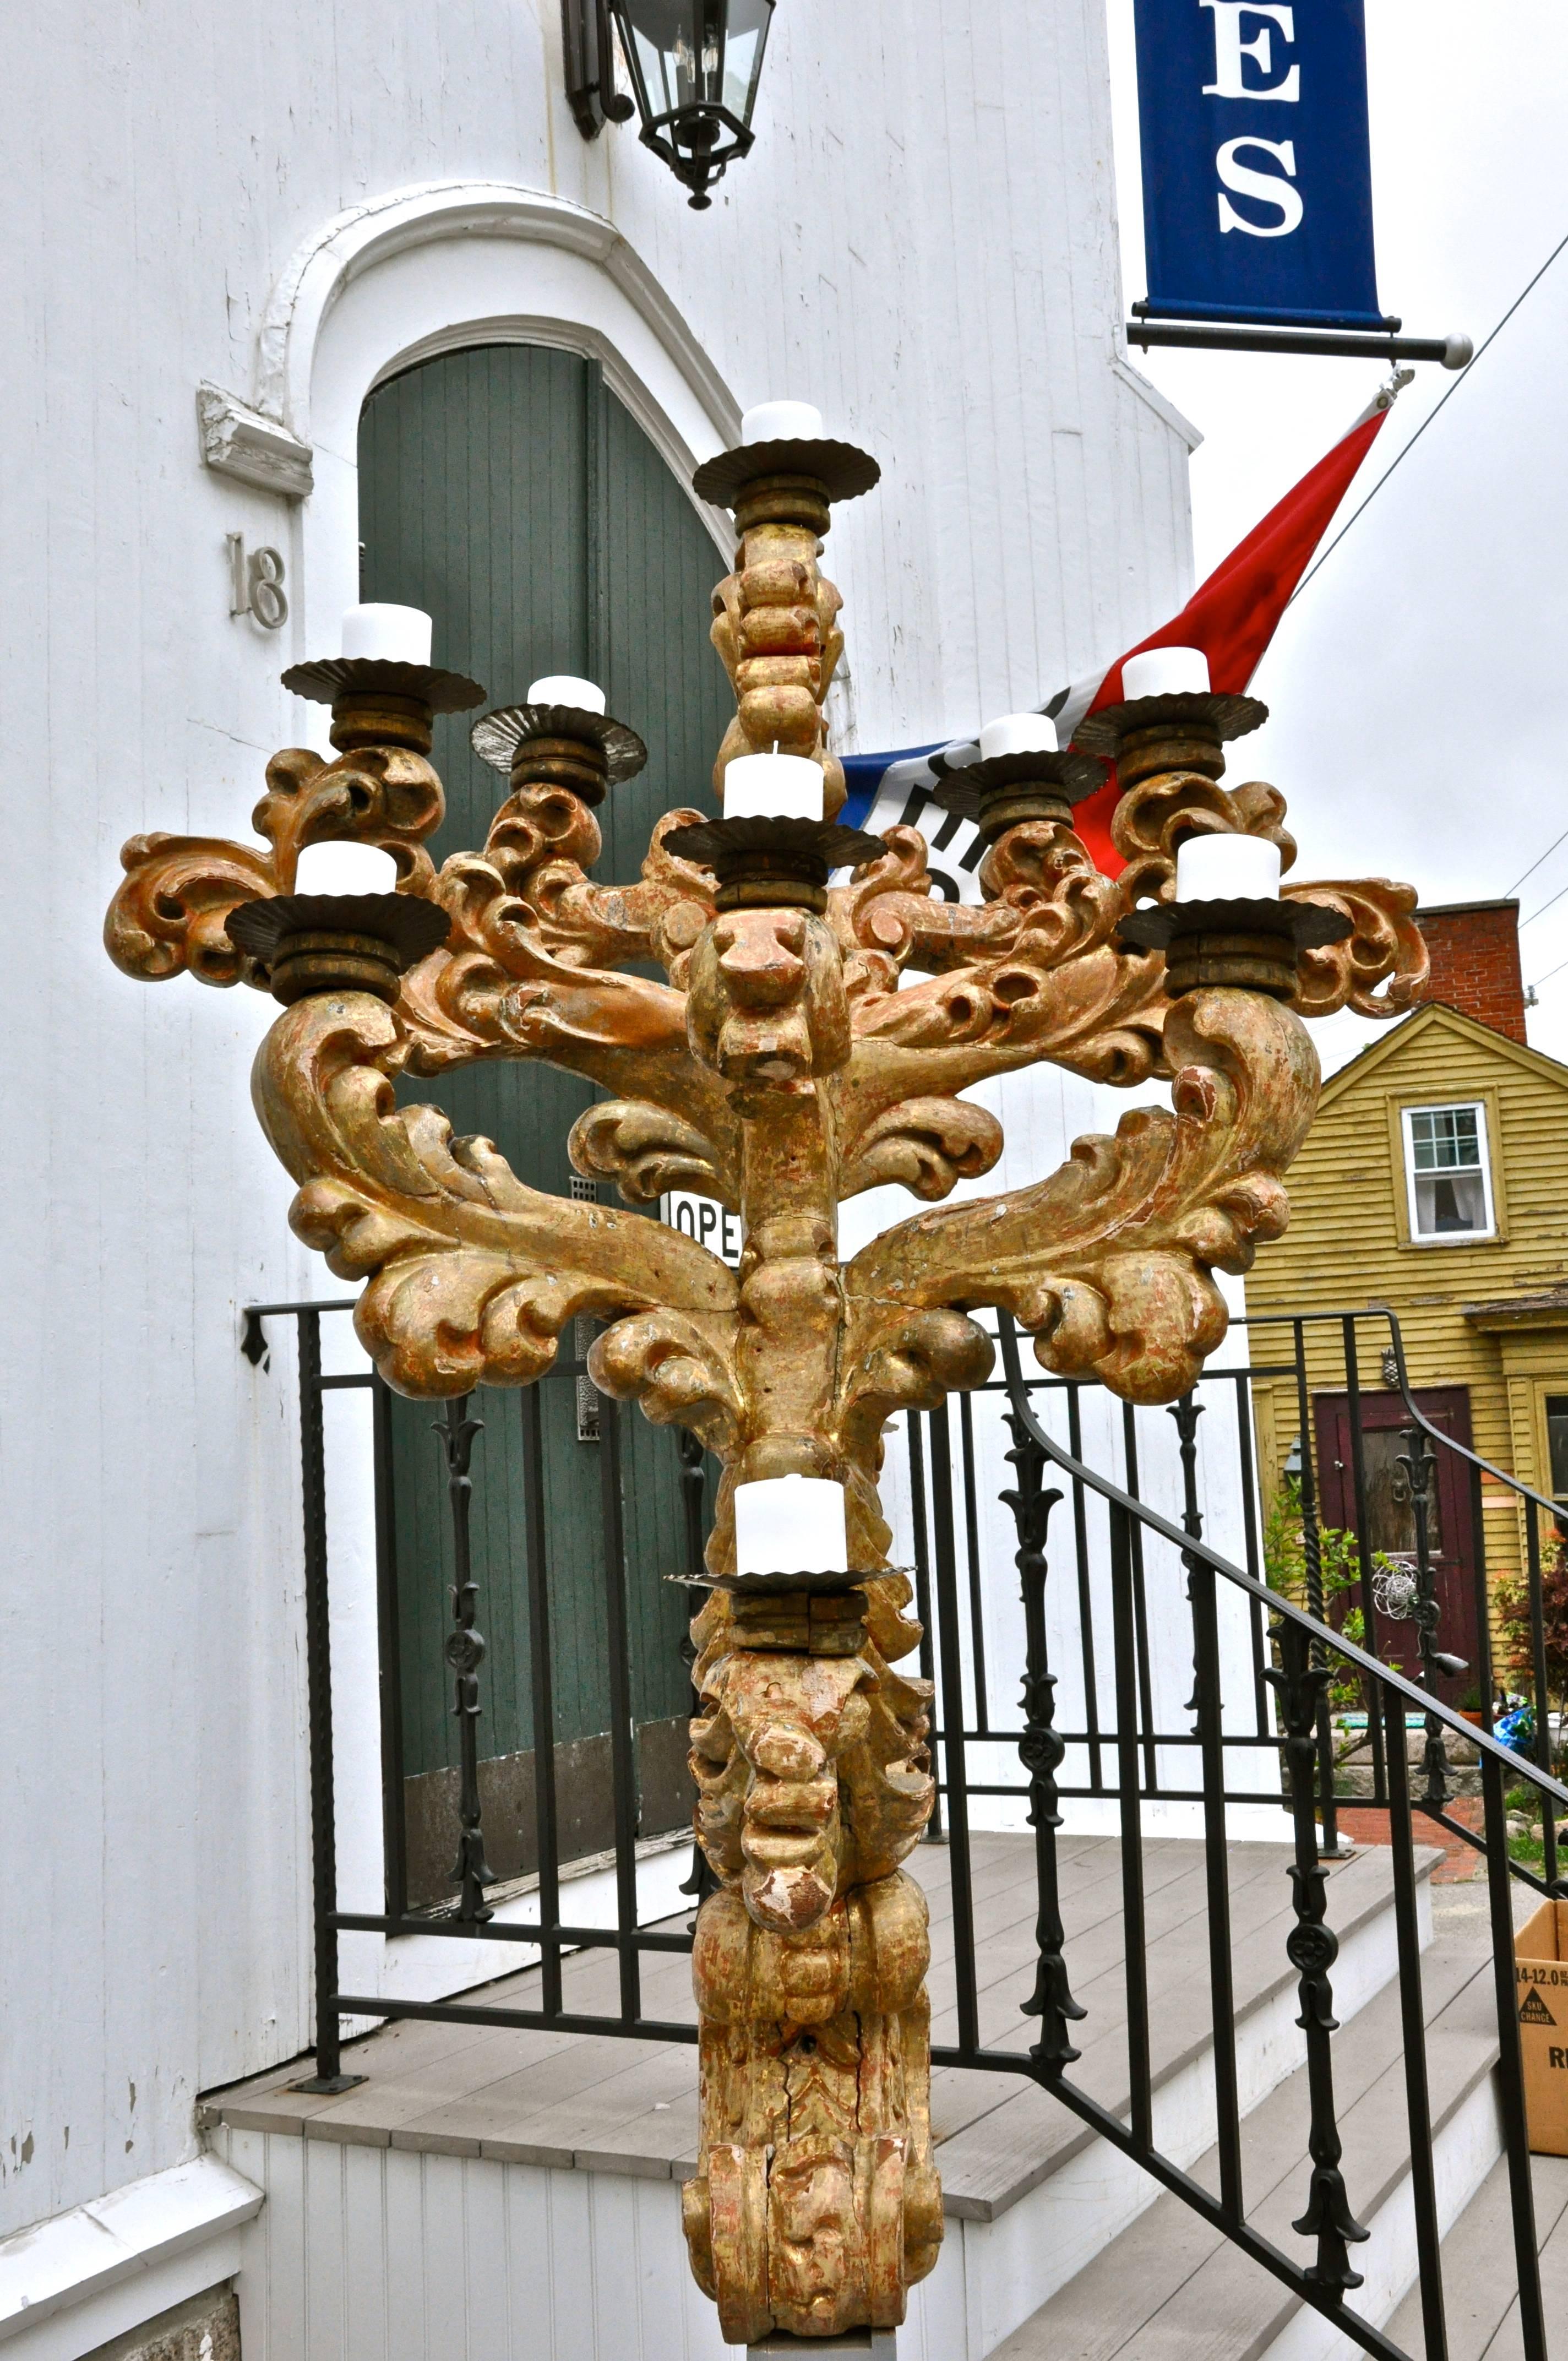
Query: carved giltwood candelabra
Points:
[787, 1063]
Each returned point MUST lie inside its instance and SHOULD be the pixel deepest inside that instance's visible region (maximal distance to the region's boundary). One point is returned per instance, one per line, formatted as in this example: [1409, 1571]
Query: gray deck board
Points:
[614, 2104]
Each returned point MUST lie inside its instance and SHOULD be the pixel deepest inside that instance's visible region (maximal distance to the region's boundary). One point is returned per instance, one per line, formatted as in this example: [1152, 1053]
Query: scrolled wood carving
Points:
[790, 1058]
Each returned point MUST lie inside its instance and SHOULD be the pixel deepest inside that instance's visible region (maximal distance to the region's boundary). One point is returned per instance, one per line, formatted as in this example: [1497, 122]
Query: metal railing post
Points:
[329, 2074]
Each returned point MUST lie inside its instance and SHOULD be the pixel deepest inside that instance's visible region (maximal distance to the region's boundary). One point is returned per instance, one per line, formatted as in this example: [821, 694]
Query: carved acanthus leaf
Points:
[674, 1368]
[1110, 1261]
[918, 1358]
[926, 1144]
[471, 1274]
[1153, 817]
[380, 795]
[170, 917]
[646, 1151]
[1099, 1013]
[541, 842]
[1387, 944]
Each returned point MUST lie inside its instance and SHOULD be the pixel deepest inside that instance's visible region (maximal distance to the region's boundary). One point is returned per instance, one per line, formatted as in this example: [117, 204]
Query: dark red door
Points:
[1390, 1521]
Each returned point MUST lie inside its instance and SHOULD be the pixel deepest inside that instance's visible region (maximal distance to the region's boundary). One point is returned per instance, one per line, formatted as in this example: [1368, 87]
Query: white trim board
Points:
[69, 2283]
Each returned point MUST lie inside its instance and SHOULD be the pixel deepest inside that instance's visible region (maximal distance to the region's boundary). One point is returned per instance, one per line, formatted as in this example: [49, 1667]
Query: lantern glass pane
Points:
[668, 36]
[744, 54]
[696, 52]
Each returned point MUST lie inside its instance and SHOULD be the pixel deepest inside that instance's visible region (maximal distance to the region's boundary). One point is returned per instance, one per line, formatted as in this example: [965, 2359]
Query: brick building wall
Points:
[1475, 952]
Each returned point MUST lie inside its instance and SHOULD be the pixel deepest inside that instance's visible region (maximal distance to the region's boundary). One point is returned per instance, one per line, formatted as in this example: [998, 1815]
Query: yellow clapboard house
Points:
[1435, 1183]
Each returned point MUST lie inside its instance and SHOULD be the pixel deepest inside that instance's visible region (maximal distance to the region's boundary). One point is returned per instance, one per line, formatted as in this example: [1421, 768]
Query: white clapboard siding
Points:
[923, 241]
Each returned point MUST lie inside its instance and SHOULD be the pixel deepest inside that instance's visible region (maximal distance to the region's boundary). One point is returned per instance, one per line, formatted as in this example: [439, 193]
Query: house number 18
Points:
[256, 584]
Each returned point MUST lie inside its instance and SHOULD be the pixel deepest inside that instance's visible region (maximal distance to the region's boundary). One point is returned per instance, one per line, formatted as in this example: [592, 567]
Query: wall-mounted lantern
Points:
[694, 66]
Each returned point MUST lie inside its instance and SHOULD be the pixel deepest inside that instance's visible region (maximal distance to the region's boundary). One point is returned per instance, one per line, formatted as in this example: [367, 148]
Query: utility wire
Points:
[1535, 864]
[1426, 422]
[1548, 976]
[1544, 909]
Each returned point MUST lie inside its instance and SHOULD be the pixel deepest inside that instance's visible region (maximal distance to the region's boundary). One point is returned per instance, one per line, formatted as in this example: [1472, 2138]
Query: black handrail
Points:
[1323, 1634]
[1305, 1642]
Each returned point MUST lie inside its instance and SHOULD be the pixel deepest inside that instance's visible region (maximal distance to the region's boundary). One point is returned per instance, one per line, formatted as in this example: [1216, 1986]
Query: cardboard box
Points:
[1541, 1971]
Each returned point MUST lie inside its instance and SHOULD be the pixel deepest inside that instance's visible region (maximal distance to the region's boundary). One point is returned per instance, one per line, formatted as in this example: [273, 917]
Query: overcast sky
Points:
[1419, 686]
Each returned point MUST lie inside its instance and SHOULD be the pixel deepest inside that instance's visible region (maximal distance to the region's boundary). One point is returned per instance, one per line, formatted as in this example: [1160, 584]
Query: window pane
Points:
[1557, 1443]
[1450, 1202]
[1445, 1139]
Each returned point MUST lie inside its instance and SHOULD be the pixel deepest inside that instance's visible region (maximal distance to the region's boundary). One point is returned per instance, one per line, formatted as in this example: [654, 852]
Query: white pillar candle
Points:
[781, 422]
[790, 1524]
[772, 786]
[565, 688]
[1227, 869]
[388, 634]
[1019, 733]
[346, 868]
[1166, 672]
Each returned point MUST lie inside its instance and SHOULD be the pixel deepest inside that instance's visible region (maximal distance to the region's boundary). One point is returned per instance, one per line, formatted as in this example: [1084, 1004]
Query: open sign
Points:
[705, 1220]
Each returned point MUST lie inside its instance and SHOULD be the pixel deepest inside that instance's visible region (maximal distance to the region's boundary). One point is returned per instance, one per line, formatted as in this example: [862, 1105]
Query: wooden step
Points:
[1480, 2303]
[1171, 2289]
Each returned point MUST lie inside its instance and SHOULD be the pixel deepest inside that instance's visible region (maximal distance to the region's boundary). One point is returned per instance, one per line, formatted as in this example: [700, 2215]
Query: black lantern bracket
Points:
[587, 45]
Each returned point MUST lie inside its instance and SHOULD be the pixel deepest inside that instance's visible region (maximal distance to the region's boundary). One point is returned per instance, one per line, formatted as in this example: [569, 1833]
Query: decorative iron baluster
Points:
[700, 1882]
[1418, 1463]
[1041, 1750]
[1312, 1947]
[465, 1652]
[1187, 1413]
[1312, 1567]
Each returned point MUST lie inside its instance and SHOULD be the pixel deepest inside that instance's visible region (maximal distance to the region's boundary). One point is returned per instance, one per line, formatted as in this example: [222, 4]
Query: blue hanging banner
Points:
[1256, 161]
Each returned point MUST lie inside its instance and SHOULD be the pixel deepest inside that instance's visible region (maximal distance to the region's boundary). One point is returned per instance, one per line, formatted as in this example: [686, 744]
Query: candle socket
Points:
[378, 703]
[559, 746]
[337, 942]
[1149, 735]
[1009, 789]
[790, 480]
[774, 863]
[1250, 946]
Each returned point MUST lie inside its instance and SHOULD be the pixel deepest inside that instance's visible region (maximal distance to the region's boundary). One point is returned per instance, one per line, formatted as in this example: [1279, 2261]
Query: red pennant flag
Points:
[1232, 615]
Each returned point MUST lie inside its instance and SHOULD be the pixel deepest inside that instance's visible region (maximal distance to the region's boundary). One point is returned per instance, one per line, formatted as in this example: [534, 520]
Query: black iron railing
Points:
[1122, 1561]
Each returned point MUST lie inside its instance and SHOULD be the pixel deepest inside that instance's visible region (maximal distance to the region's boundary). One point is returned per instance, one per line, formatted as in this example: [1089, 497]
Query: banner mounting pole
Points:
[1453, 352]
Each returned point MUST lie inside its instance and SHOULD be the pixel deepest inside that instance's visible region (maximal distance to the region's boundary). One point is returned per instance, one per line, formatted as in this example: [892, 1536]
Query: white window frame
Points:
[1477, 1107]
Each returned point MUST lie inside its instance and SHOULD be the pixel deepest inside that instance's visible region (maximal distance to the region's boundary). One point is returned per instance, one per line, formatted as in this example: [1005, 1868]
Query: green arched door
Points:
[505, 490]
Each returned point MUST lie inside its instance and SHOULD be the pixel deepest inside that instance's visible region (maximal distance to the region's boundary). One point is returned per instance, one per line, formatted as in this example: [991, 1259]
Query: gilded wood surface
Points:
[787, 1061]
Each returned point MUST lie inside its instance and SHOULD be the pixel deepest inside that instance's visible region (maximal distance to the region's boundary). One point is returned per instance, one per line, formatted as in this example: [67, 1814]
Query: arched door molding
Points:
[429, 268]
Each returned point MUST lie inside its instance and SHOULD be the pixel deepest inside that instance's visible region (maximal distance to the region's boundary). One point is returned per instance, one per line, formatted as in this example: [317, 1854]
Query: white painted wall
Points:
[922, 242]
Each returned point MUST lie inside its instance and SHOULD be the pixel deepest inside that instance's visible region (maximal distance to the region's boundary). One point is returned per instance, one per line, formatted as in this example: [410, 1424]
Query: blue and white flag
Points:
[895, 791]
[1256, 161]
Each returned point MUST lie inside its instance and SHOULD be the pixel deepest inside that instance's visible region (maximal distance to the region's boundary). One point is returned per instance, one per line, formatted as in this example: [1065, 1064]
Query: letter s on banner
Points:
[1266, 187]
[1240, 224]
